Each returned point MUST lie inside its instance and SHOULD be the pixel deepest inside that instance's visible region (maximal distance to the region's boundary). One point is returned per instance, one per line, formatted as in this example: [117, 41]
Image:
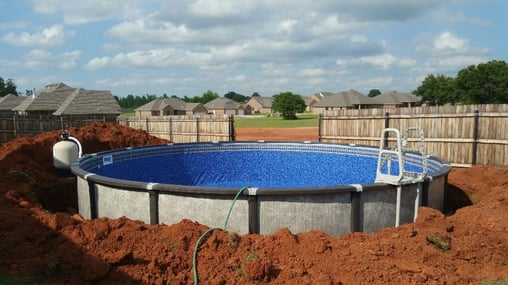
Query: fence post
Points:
[146, 124]
[231, 128]
[475, 135]
[14, 126]
[170, 129]
[197, 129]
[387, 125]
[320, 126]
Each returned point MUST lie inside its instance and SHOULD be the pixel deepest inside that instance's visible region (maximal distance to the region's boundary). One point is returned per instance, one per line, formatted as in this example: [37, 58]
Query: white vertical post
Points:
[397, 210]
[418, 199]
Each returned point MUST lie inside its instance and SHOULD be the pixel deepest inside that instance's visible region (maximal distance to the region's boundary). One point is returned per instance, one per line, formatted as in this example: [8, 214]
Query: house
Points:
[350, 99]
[394, 99]
[168, 107]
[316, 97]
[60, 99]
[226, 106]
[261, 104]
[309, 103]
[9, 102]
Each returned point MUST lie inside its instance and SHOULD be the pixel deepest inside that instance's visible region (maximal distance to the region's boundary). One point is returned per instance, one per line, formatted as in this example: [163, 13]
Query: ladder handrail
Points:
[385, 158]
[399, 151]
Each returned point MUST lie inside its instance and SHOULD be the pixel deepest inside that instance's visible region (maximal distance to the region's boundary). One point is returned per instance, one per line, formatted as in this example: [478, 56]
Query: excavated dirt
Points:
[44, 241]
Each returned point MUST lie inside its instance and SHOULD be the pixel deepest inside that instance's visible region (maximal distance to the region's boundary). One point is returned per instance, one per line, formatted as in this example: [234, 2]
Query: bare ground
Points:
[43, 241]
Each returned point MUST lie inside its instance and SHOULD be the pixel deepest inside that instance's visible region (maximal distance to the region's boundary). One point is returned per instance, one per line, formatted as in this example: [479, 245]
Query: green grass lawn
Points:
[263, 121]
[128, 113]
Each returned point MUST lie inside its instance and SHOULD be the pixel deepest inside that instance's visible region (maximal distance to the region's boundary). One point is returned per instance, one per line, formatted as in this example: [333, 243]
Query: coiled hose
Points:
[195, 254]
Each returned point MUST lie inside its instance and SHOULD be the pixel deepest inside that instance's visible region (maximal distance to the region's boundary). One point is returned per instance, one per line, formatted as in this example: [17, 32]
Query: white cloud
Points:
[445, 16]
[407, 62]
[383, 61]
[98, 63]
[448, 54]
[379, 81]
[150, 58]
[359, 39]
[147, 30]
[68, 59]
[237, 78]
[47, 37]
[217, 8]
[447, 42]
[81, 12]
[14, 25]
[312, 72]
[36, 59]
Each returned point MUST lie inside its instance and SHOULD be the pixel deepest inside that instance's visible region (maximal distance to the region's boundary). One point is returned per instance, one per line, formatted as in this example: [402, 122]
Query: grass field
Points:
[263, 121]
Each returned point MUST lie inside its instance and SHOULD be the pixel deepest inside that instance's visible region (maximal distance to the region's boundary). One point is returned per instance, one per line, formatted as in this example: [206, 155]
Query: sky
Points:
[188, 47]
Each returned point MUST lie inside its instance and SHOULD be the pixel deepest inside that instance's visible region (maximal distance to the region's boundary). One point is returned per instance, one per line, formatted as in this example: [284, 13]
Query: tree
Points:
[374, 92]
[239, 98]
[255, 94]
[209, 96]
[7, 88]
[486, 83]
[437, 90]
[288, 104]
[205, 98]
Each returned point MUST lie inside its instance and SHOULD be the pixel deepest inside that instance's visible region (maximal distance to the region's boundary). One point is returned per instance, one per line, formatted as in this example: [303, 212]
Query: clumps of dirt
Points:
[44, 241]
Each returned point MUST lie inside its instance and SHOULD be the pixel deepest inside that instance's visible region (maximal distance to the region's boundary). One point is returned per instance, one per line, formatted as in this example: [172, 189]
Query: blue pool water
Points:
[259, 168]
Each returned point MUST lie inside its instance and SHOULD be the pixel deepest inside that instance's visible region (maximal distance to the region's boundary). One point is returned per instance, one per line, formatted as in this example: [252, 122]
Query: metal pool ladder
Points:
[397, 154]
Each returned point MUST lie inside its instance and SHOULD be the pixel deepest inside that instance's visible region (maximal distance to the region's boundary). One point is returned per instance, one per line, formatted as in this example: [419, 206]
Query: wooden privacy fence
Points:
[184, 129]
[463, 135]
[12, 127]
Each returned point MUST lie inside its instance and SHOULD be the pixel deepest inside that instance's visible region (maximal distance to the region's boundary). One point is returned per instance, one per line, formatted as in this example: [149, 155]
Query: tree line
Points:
[485, 83]
[132, 102]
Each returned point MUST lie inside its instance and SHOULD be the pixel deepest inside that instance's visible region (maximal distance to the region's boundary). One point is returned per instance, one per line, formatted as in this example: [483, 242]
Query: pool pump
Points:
[66, 151]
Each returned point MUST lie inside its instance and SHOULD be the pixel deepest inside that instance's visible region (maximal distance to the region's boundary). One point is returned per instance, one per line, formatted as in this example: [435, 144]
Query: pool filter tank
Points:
[66, 152]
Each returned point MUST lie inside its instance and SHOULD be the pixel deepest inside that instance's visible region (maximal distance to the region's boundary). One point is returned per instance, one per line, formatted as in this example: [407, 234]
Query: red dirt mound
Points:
[53, 245]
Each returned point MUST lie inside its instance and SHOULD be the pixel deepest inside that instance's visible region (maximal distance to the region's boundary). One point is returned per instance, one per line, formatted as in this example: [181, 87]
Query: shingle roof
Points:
[221, 103]
[174, 103]
[307, 100]
[394, 97]
[265, 102]
[24, 104]
[62, 99]
[88, 102]
[323, 94]
[346, 99]
[49, 98]
[191, 106]
[10, 101]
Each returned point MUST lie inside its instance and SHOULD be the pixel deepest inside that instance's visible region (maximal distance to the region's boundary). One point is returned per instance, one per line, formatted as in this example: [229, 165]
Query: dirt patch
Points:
[44, 241]
[277, 134]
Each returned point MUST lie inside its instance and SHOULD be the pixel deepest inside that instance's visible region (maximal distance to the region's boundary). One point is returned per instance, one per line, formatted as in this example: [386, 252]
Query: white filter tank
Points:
[64, 154]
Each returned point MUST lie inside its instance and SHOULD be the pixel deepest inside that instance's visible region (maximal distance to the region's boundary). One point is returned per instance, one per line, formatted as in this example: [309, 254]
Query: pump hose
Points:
[195, 254]
[40, 192]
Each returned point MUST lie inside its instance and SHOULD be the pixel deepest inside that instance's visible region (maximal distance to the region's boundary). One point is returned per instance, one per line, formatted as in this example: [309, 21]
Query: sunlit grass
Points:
[264, 121]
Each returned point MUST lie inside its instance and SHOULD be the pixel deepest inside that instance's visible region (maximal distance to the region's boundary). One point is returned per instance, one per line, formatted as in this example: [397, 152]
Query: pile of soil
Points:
[44, 241]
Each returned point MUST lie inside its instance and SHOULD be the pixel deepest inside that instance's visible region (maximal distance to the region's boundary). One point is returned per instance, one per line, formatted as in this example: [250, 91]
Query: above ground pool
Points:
[302, 186]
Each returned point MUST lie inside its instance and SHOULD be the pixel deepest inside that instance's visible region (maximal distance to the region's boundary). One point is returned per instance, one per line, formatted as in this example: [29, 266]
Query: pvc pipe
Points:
[417, 199]
[80, 149]
[397, 207]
